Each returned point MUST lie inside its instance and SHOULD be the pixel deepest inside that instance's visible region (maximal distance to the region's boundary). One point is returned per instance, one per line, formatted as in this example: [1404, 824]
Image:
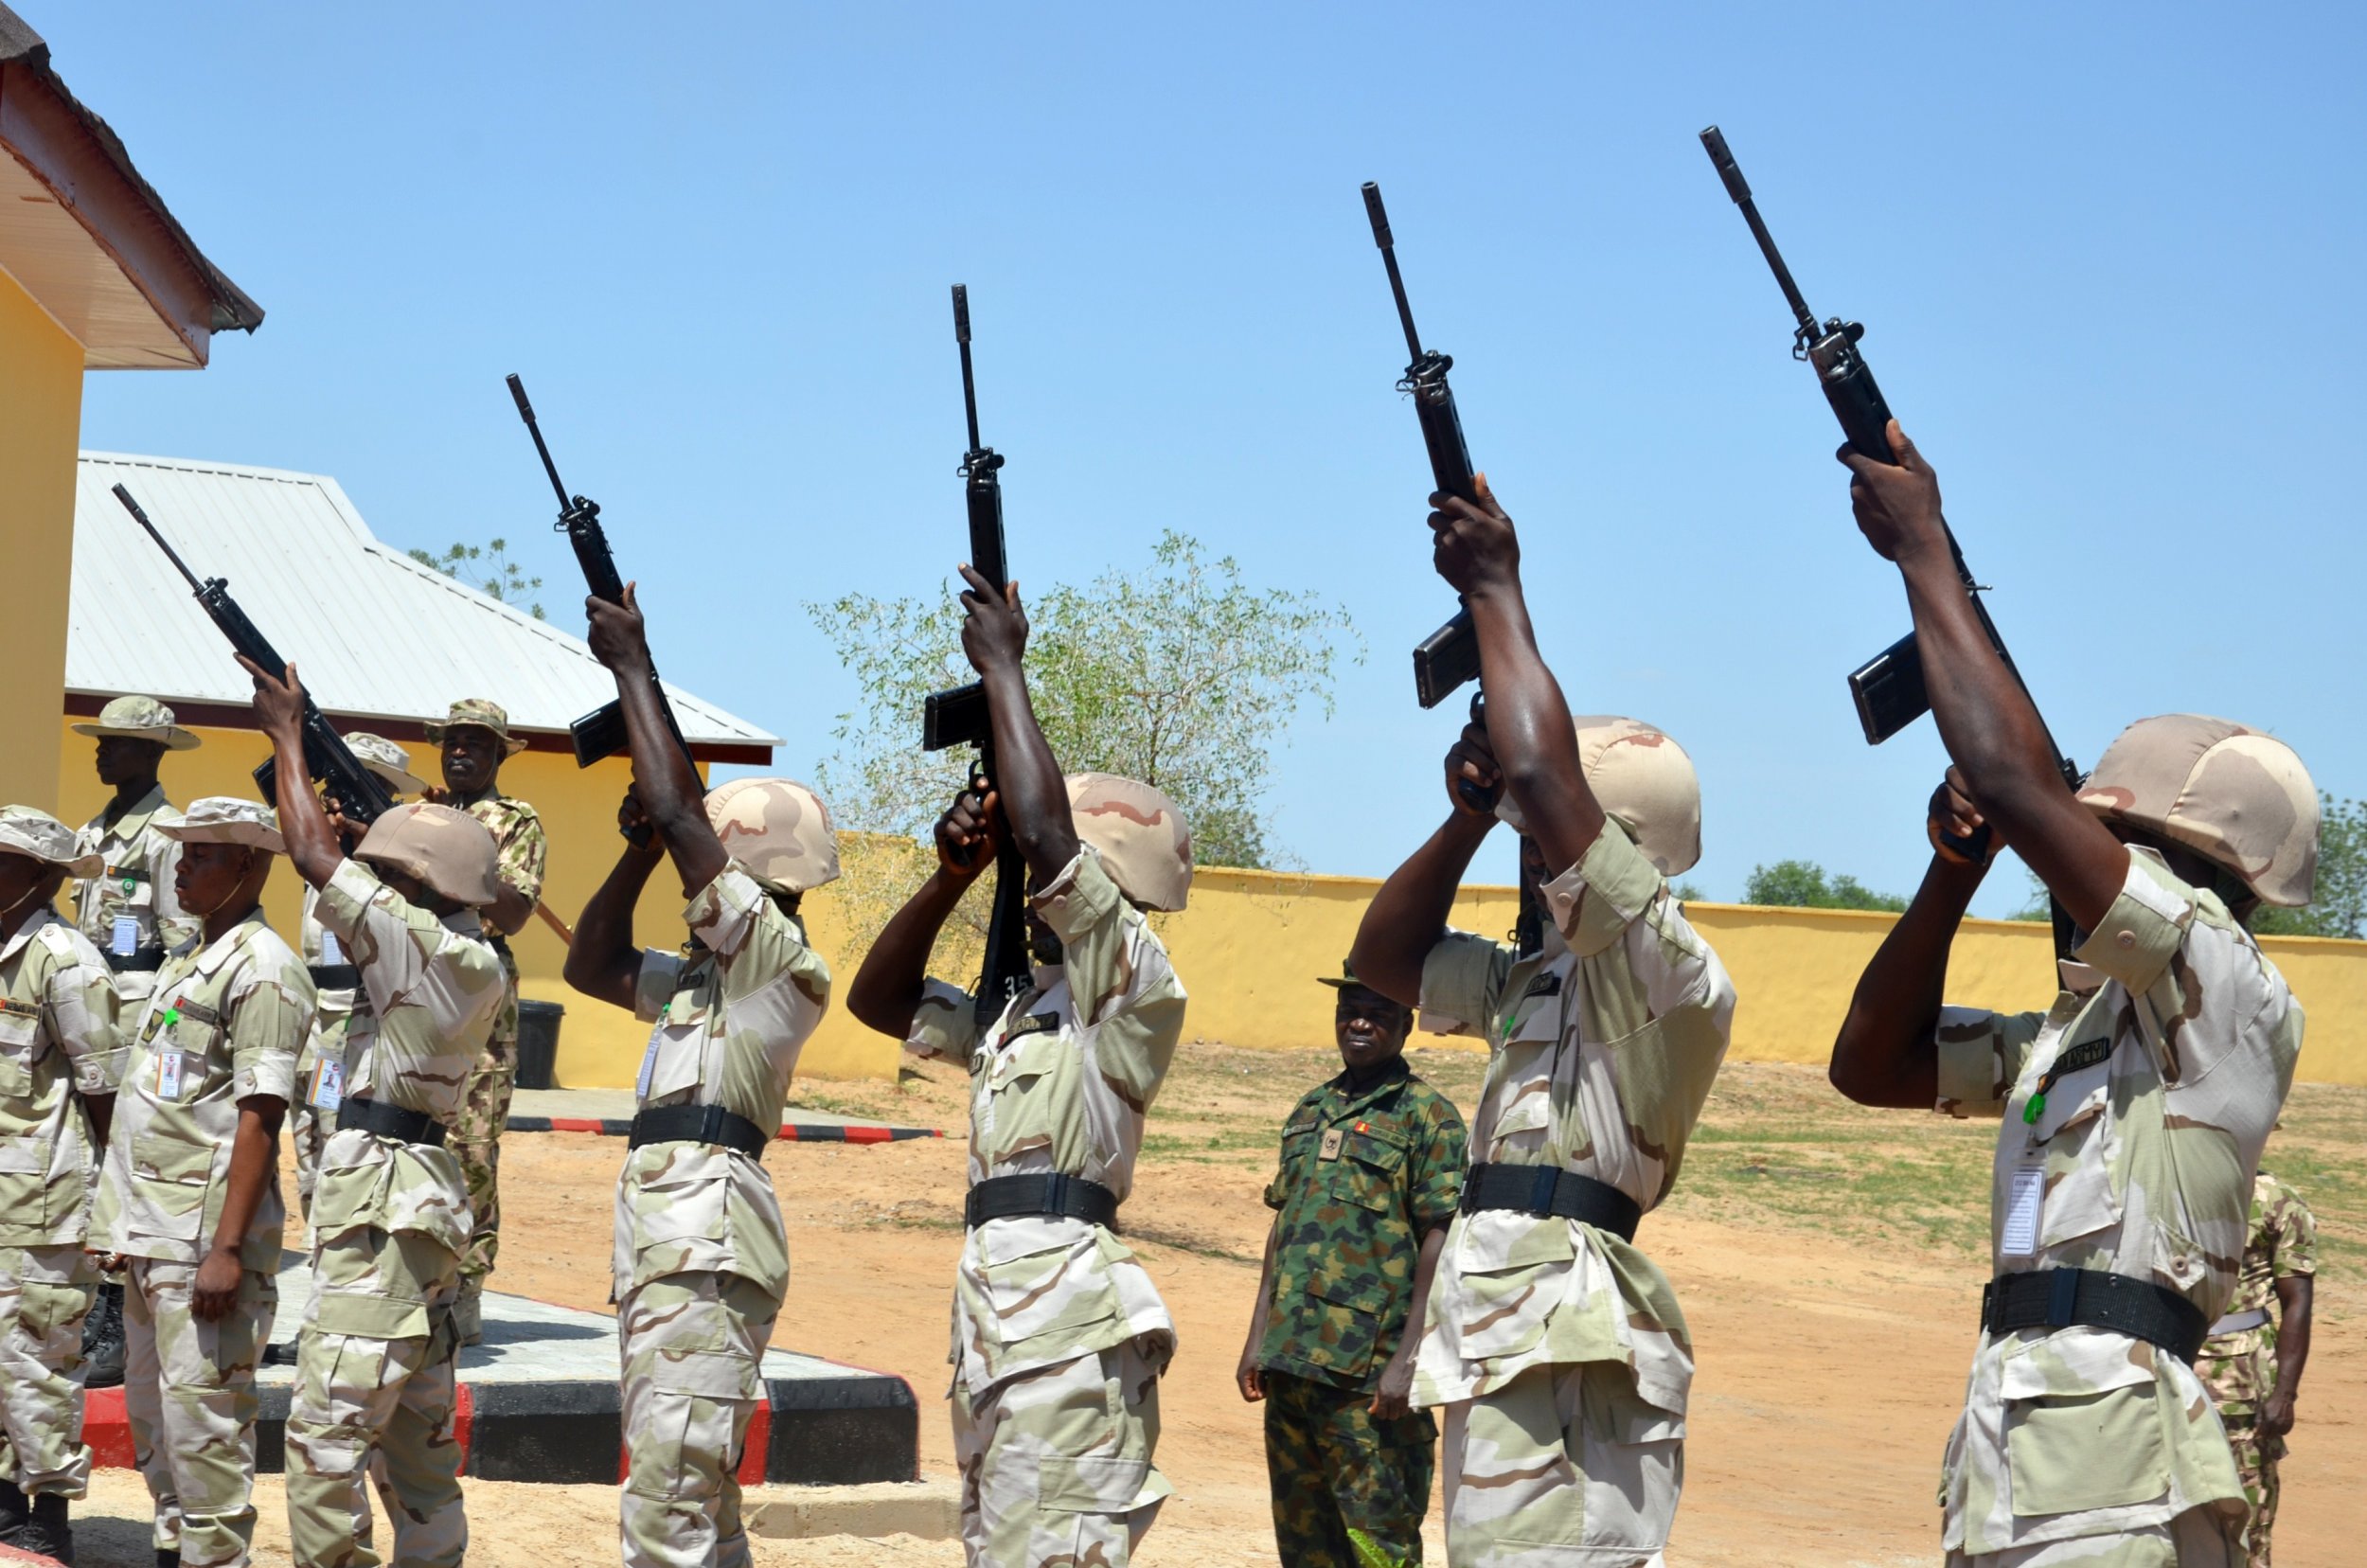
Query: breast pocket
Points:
[20, 1035]
[1369, 1171]
[170, 1181]
[2081, 1138]
[676, 1057]
[1026, 1083]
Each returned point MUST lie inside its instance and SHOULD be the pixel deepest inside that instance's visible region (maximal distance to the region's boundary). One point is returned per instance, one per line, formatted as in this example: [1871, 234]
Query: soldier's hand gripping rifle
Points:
[601, 732]
[960, 716]
[361, 799]
[1888, 689]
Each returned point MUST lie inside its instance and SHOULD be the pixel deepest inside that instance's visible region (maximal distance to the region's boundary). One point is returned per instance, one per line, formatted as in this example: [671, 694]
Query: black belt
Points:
[1548, 1190]
[2090, 1298]
[1052, 1197]
[335, 976]
[144, 961]
[390, 1121]
[706, 1124]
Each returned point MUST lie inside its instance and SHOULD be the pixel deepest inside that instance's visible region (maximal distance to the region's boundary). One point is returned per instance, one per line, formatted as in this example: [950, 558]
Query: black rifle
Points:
[601, 732]
[1888, 689]
[361, 799]
[959, 716]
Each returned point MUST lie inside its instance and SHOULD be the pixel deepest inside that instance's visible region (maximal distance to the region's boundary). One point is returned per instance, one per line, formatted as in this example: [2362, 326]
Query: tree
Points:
[1803, 884]
[497, 577]
[2339, 908]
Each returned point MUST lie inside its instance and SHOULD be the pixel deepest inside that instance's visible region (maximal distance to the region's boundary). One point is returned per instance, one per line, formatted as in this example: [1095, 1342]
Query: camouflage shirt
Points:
[1602, 1048]
[136, 885]
[2170, 1055]
[57, 1038]
[521, 847]
[225, 1023]
[430, 988]
[1061, 1082]
[2239, 1367]
[729, 1021]
[1364, 1177]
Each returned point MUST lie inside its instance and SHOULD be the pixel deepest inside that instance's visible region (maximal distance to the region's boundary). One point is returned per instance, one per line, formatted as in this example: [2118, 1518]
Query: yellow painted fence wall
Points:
[41, 418]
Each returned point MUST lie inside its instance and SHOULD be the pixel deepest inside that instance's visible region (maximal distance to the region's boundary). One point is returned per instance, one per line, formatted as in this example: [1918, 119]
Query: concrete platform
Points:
[929, 1510]
[609, 1111]
[539, 1402]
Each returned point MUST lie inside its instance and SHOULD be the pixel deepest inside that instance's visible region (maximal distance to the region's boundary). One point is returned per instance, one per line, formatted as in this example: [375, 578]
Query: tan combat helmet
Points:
[227, 819]
[2239, 798]
[450, 850]
[777, 829]
[33, 833]
[1641, 776]
[390, 763]
[140, 719]
[1140, 834]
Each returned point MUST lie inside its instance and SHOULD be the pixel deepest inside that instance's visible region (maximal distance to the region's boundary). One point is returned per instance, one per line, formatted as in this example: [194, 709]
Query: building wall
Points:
[41, 418]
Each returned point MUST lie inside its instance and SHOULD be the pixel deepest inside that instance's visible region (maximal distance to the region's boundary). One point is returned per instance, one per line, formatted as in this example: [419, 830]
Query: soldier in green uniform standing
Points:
[1372, 1167]
[2252, 1361]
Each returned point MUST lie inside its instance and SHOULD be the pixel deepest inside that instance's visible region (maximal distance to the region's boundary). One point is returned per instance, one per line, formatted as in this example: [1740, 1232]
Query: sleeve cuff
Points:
[1623, 885]
[720, 913]
[2142, 932]
[1079, 897]
[100, 1072]
[942, 1022]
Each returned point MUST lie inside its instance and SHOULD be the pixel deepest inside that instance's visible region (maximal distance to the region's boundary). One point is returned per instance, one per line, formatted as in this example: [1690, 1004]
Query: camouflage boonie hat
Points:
[777, 829]
[389, 761]
[226, 819]
[33, 833]
[2237, 797]
[1140, 834]
[483, 714]
[450, 850]
[140, 719]
[1346, 977]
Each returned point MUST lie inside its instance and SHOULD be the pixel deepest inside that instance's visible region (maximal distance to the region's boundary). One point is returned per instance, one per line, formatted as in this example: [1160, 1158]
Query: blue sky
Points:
[2110, 258]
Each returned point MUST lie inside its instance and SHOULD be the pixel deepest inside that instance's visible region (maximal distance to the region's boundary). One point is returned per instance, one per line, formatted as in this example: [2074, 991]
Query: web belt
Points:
[1549, 1191]
[1051, 1196]
[335, 976]
[391, 1121]
[703, 1124]
[143, 961]
[2090, 1298]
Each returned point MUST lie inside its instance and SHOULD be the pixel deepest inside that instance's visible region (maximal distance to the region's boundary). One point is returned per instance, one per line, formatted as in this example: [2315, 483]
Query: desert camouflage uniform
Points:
[2240, 1366]
[1559, 1349]
[224, 1024]
[1364, 1177]
[701, 1254]
[137, 883]
[2084, 1445]
[1059, 1337]
[524, 850]
[374, 1375]
[57, 1038]
[332, 1015]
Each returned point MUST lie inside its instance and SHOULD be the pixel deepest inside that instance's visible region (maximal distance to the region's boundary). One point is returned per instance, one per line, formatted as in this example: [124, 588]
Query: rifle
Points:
[951, 718]
[360, 797]
[601, 733]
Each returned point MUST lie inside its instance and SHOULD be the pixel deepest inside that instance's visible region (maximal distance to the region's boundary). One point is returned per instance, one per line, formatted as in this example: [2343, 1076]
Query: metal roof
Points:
[373, 633]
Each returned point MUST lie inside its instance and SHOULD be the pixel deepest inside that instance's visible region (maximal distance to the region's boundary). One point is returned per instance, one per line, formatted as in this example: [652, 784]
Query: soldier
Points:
[702, 1253]
[2133, 1111]
[1059, 1337]
[374, 1385]
[475, 739]
[2252, 1360]
[333, 980]
[57, 1035]
[1372, 1163]
[128, 912]
[1556, 1345]
[189, 1199]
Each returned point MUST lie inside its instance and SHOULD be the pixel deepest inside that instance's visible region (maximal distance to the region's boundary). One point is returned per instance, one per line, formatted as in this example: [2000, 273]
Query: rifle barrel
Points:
[1714, 142]
[525, 412]
[170, 554]
[961, 336]
[1380, 215]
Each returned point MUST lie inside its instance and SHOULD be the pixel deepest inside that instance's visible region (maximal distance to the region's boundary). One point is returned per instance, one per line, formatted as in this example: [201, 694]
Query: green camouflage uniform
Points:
[374, 1372]
[224, 1025]
[2084, 1445]
[702, 1253]
[1364, 1177]
[2238, 1362]
[137, 885]
[1059, 1337]
[1559, 1349]
[524, 850]
[57, 1038]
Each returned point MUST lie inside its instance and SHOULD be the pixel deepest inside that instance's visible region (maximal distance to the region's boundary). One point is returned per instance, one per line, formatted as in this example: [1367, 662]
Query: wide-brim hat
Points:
[483, 714]
[140, 719]
[390, 763]
[226, 819]
[1346, 977]
[33, 833]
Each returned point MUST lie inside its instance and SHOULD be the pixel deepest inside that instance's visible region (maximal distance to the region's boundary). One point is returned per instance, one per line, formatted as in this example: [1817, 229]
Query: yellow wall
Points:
[41, 420]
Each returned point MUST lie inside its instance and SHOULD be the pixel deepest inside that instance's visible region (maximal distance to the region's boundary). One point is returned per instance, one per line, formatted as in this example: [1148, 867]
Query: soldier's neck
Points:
[129, 792]
[478, 798]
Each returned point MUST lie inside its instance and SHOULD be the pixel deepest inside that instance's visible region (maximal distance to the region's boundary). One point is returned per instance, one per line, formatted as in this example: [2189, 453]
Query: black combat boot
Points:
[102, 1340]
[15, 1508]
[45, 1532]
[167, 1556]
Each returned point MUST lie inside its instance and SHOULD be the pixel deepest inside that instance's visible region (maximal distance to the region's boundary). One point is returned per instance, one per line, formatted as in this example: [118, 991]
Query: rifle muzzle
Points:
[1379, 214]
[1714, 141]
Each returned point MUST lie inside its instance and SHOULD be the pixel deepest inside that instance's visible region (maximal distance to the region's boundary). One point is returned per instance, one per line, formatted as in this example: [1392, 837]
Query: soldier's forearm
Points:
[886, 988]
[2295, 1294]
[253, 1154]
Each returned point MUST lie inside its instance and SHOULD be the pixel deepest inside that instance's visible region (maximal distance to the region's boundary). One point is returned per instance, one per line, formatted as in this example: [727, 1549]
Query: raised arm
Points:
[1409, 914]
[602, 961]
[888, 987]
[669, 786]
[1987, 722]
[1027, 776]
[313, 848]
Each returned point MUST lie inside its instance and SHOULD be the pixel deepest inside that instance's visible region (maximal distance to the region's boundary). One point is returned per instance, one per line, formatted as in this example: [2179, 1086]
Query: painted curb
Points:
[790, 1131]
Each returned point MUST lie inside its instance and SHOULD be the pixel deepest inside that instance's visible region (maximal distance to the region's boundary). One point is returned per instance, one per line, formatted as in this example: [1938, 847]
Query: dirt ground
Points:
[1828, 1260]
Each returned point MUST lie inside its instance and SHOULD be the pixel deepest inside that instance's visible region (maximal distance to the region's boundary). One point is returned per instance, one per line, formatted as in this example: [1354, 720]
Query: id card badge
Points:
[648, 1064]
[169, 1075]
[126, 940]
[2025, 1190]
[328, 1090]
[331, 952]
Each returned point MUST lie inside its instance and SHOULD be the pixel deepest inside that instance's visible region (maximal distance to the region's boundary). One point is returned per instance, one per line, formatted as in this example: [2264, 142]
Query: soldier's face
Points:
[121, 758]
[21, 877]
[1369, 1027]
[472, 759]
[209, 874]
[1043, 943]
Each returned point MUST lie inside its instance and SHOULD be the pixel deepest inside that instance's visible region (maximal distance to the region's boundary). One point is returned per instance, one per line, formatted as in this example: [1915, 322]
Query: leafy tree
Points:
[2339, 908]
[1803, 884]
[486, 569]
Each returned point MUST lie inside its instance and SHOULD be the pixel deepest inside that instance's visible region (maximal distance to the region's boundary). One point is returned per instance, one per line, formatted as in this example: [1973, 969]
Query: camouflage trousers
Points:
[370, 1400]
[188, 1388]
[2256, 1467]
[2198, 1538]
[693, 1351]
[1335, 1469]
[476, 1139]
[46, 1293]
[1561, 1465]
[1056, 1463]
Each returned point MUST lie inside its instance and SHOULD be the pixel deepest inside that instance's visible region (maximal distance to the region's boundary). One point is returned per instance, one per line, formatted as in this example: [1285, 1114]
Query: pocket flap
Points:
[378, 1317]
[161, 1157]
[1495, 1241]
[1376, 1149]
[18, 1028]
[2074, 1361]
[1032, 1058]
[1095, 1485]
[27, 1155]
[709, 1374]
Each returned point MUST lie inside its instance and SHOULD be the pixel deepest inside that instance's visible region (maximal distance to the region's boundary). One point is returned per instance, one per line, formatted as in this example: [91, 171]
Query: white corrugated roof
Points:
[373, 633]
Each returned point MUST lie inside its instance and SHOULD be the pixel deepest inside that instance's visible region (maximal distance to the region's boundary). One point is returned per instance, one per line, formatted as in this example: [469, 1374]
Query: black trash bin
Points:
[538, 1043]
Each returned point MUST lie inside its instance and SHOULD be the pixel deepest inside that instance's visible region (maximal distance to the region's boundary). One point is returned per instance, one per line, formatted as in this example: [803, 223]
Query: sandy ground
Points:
[1828, 1375]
